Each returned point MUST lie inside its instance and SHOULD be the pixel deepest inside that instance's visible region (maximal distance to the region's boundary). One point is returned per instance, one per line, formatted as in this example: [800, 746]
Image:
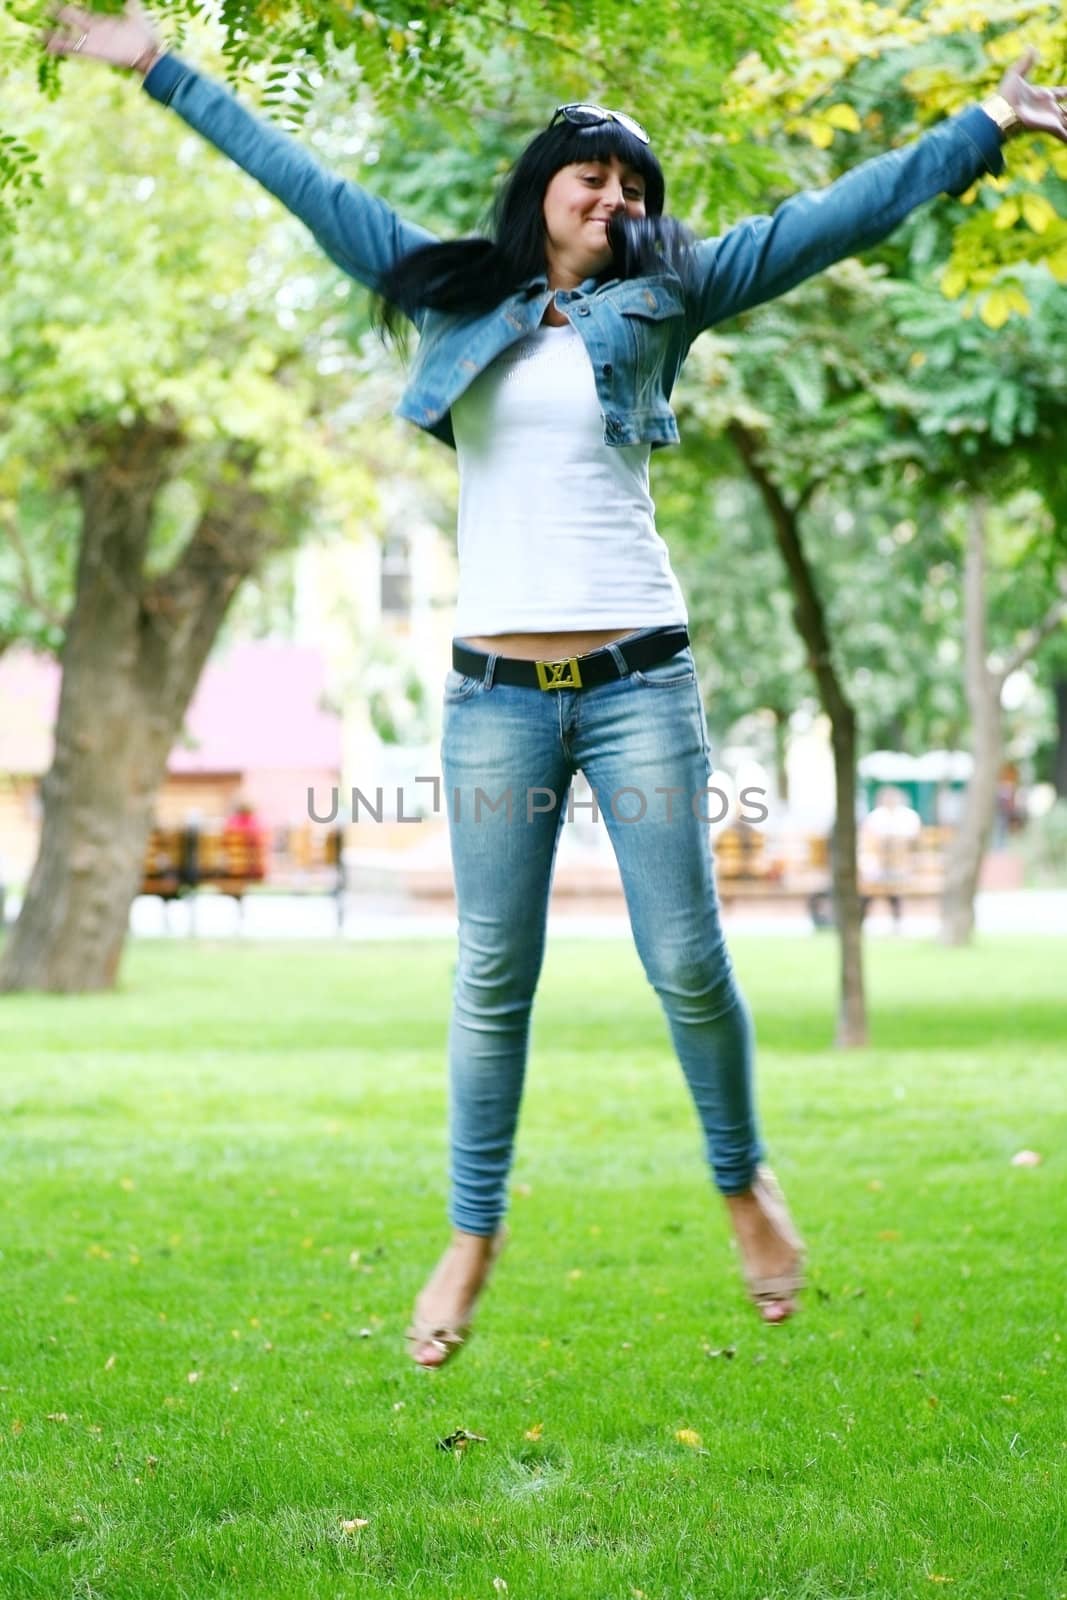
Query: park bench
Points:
[179, 862]
[745, 869]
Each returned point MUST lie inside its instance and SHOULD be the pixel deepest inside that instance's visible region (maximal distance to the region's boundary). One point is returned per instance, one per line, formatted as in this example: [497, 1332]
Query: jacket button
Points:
[607, 369]
[583, 311]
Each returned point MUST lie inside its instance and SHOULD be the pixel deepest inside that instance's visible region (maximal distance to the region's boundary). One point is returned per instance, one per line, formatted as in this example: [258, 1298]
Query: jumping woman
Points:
[546, 359]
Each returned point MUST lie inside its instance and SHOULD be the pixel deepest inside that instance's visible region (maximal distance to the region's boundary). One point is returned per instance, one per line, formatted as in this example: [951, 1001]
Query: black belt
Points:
[574, 672]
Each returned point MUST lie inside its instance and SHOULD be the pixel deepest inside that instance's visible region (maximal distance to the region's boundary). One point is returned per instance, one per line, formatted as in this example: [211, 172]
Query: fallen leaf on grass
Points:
[534, 1433]
[500, 1585]
[109, 1363]
[938, 1577]
[690, 1437]
[1026, 1158]
[889, 1235]
[727, 1352]
[353, 1524]
[56, 1416]
[460, 1440]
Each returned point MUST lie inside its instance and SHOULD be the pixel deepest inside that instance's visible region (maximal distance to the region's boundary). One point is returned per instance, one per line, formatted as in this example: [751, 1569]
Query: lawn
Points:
[224, 1185]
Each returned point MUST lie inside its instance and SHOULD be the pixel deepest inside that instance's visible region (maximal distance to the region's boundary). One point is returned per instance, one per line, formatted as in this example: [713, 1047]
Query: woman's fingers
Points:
[69, 27]
[1025, 62]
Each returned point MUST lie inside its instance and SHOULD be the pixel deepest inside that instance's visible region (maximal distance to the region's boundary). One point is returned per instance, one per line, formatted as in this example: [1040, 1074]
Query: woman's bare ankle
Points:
[476, 1244]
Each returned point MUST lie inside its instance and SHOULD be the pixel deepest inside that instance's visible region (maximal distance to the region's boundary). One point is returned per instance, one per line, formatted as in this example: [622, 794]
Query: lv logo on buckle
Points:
[559, 674]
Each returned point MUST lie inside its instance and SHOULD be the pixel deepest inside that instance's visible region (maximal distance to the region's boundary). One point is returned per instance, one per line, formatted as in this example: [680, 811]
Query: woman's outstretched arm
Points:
[362, 234]
[763, 257]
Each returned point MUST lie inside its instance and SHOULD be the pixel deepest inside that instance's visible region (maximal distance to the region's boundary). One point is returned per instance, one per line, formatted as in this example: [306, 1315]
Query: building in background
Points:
[261, 728]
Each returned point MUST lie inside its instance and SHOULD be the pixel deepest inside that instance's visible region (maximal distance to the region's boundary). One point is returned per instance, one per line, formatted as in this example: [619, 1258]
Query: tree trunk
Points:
[852, 1009]
[971, 839]
[1059, 760]
[133, 653]
[781, 754]
[810, 619]
[984, 688]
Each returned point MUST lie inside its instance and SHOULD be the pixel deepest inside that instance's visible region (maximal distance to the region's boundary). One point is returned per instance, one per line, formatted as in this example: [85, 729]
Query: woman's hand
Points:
[1039, 110]
[129, 41]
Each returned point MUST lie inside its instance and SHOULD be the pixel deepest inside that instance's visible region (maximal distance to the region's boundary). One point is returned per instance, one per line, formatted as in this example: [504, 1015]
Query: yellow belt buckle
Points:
[559, 674]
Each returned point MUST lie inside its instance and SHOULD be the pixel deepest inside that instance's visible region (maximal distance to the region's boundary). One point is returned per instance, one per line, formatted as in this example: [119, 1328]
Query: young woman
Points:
[546, 359]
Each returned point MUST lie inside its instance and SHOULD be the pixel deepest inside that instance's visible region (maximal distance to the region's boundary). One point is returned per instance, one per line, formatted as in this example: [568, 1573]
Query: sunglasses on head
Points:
[584, 115]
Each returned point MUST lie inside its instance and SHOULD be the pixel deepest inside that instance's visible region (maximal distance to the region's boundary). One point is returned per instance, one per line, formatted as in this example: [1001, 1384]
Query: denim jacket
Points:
[637, 330]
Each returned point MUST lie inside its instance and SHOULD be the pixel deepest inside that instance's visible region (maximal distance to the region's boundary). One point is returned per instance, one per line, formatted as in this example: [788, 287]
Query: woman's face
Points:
[579, 203]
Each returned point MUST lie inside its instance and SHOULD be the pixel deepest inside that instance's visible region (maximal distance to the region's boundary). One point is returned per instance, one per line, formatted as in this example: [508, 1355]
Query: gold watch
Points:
[1003, 114]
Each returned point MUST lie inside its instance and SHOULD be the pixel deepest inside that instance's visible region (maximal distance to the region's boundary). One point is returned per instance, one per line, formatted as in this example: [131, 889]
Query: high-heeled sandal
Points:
[770, 1290]
[446, 1337]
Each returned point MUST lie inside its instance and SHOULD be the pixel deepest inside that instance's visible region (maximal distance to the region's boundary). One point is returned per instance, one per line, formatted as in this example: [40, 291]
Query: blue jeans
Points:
[508, 756]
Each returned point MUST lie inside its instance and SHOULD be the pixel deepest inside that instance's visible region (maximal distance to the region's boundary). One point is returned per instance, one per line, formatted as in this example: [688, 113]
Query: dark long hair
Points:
[476, 274]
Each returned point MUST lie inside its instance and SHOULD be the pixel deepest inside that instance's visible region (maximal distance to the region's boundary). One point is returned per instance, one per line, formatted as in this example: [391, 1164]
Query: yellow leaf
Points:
[1007, 213]
[1017, 300]
[995, 309]
[842, 116]
[397, 40]
[1057, 264]
[969, 195]
[953, 283]
[353, 1524]
[534, 1433]
[690, 1437]
[1037, 212]
[820, 134]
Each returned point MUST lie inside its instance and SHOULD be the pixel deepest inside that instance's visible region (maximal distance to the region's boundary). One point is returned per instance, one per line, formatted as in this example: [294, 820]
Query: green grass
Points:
[191, 1164]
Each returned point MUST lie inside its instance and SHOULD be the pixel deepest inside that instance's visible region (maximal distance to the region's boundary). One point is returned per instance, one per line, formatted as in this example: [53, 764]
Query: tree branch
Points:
[1054, 618]
[27, 590]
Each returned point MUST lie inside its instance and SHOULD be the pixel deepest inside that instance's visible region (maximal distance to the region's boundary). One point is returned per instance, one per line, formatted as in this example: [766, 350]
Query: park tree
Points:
[166, 398]
[1053, 659]
[881, 84]
[987, 419]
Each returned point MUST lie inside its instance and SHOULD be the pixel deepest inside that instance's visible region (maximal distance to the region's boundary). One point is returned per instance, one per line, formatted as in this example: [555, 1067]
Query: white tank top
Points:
[557, 530]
